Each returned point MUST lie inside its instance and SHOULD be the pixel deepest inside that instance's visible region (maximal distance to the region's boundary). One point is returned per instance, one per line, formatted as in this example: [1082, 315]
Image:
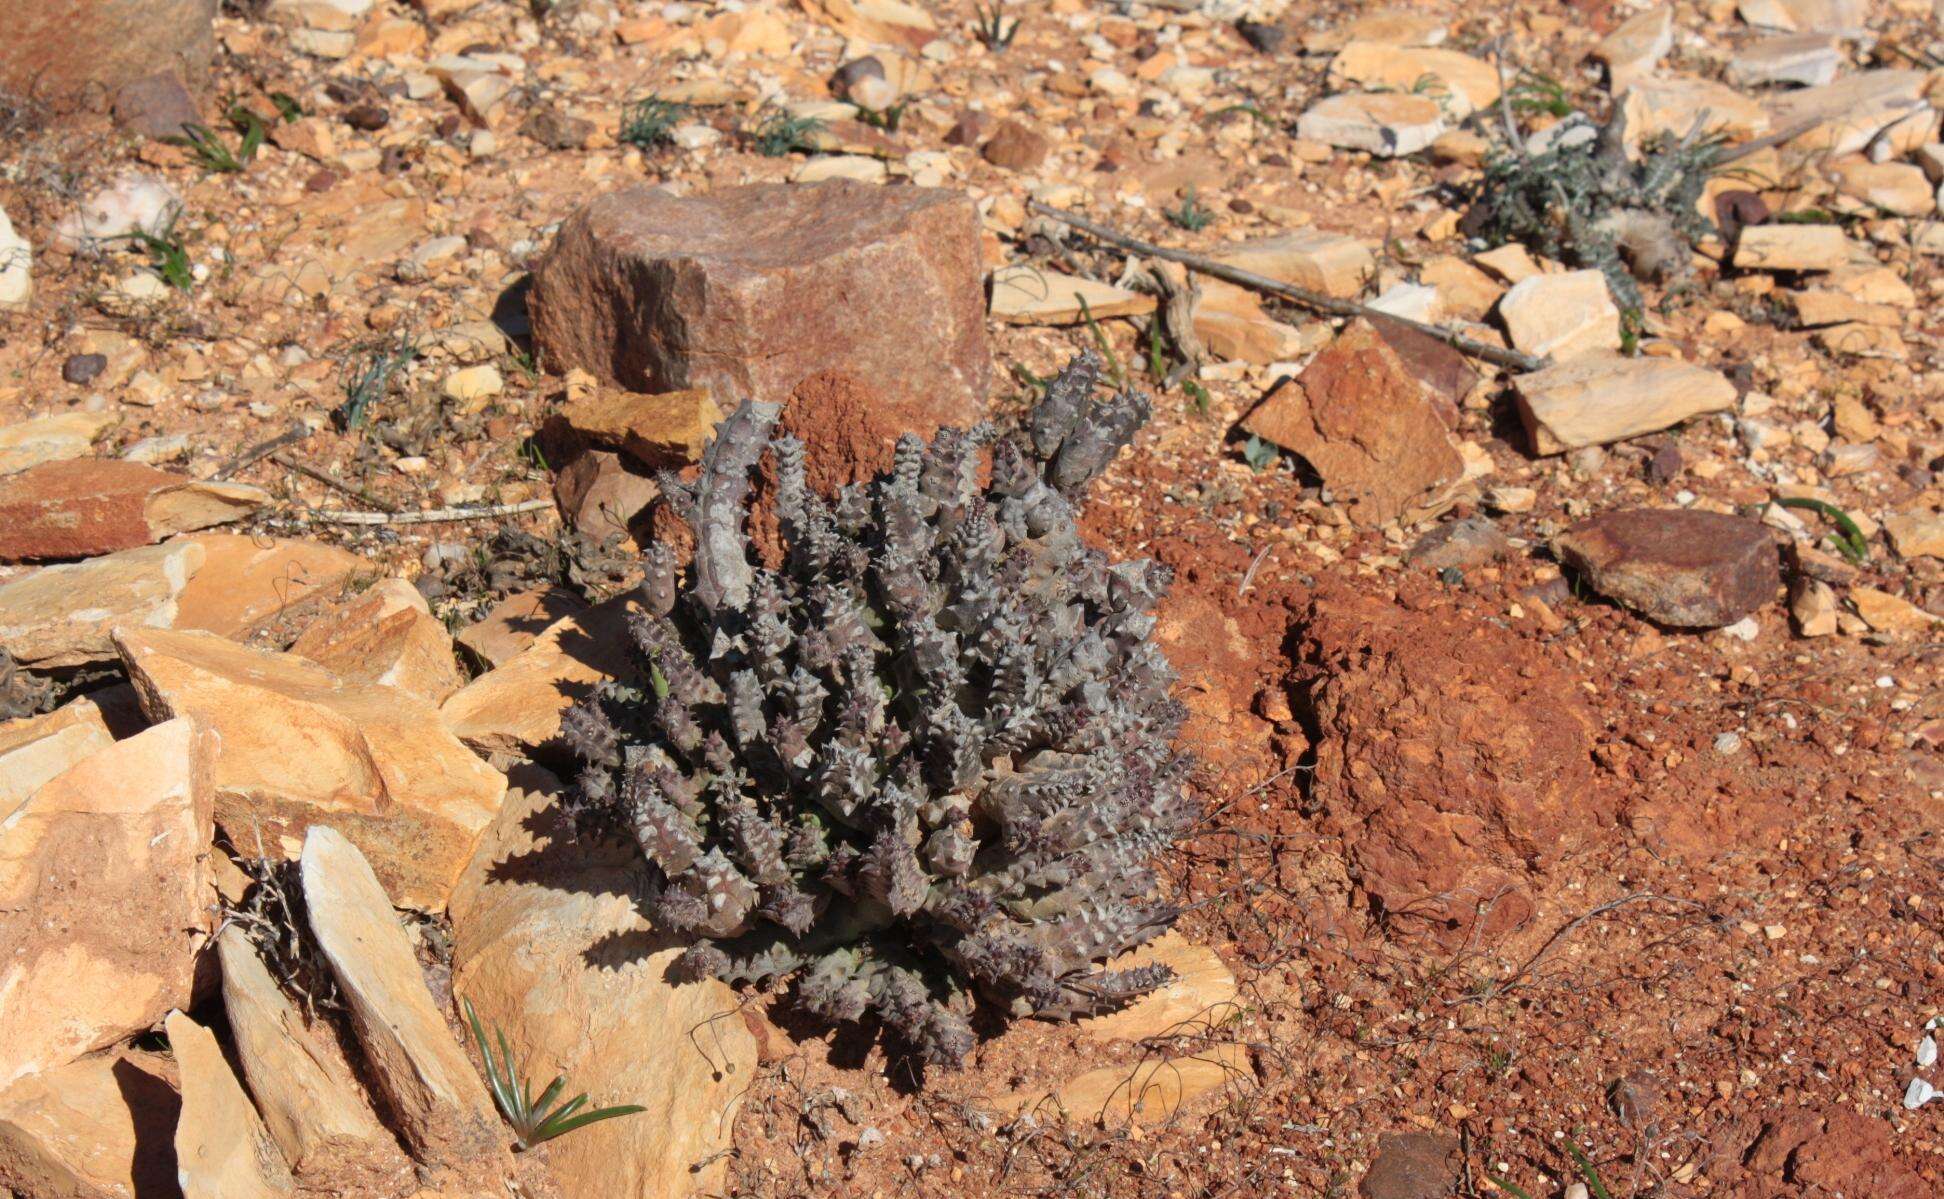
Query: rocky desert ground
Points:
[1546, 419]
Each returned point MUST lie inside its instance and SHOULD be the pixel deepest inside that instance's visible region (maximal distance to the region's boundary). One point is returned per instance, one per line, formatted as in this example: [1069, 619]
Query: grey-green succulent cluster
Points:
[929, 756]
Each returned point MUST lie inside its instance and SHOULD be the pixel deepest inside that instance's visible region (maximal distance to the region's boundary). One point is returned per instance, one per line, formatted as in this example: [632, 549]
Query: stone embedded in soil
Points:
[516, 707]
[60, 616]
[1916, 534]
[1367, 425]
[1463, 544]
[1676, 104]
[1898, 188]
[1824, 16]
[90, 954]
[1453, 759]
[87, 506]
[301, 746]
[55, 438]
[157, 105]
[1850, 113]
[1831, 1150]
[600, 494]
[249, 584]
[1200, 999]
[1014, 147]
[436, 1097]
[37, 749]
[557, 954]
[1232, 324]
[1812, 604]
[58, 50]
[1330, 263]
[1601, 398]
[1412, 1165]
[1460, 83]
[658, 431]
[1150, 1091]
[386, 636]
[310, 1102]
[511, 625]
[1562, 316]
[1386, 124]
[1887, 613]
[1680, 567]
[749, 290]
[222, 1149]
[1805, 59]
[1636, 47]
[1029, 295]
[97, 1128]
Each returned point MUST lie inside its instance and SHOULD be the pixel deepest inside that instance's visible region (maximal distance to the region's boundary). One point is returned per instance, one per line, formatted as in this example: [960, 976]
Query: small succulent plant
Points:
[927, 757]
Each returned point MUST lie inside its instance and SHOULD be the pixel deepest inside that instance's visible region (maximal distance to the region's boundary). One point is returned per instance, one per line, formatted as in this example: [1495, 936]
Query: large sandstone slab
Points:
[56, 50]
[223, 1151]
[1602, 398]
[37, 749]
[1031, 295]
[1153, 1090]
[386, 635]
[61, 615]
[1459, 83]
[54, 438]
[559, 956]
[302, 746]
[516, 707]
[102, 879]
[750, 290]
[434, 1092]
[85, 506]
[97, 1128]
[1367, 424]
[1848, 114]
[248, 584]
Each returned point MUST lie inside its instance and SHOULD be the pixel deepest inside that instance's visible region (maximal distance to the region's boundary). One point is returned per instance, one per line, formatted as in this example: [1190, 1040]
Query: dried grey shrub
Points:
[930, 757]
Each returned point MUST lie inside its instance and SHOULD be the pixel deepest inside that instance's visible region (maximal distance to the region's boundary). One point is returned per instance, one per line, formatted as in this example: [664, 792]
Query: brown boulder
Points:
[301, 746]
[86, 506]
[1678, 566]
[750, 290]
[102, 905]
[1014, 147]
[56, 50]
[1452, 759]
[1378, 437]
[601, 495]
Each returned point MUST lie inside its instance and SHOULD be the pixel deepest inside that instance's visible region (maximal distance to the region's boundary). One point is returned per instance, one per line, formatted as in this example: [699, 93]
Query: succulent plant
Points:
[928, 756]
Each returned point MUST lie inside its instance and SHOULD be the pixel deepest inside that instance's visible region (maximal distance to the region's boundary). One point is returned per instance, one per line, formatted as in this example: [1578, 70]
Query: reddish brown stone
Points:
[752, 290]
[87, 506]
[1833, 1151]
[1679, 567]
[62, 50]
[1014, 147]
[599, 494]
[1368, 425]
[1452, 758]
[1412, 1165]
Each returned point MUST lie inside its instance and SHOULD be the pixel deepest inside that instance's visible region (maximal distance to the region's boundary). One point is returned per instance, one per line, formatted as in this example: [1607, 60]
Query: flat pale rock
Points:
[1386, 27]
[1804, 59]
[750, 290]
[1151, 1092]
[1199, 1000]
[1562, 316]
[222, 1149]
[1887, 613]
[311, 1104]
[1600, 399]
[1825, 16]
[1367, 425]
[1820, 306]
[301, 746]
[1915, 534]
[1677, 566]
[516, 707]
[36, 749]
[667, 430]
[1636, 47]
[1897, 188]
[1330, 263]
[1463, 290]
[557, 955]
[436, 1095]
[1028, 295]
[1386, 124]
[86, 506]
[89, 956]
[1233, 325]
[1673, 104]
[53, 438]
[1460, 83]
[1849, 113]
[97, 1128]
[386, 636]
[60, 616]
[1794, 248]
[513, 624]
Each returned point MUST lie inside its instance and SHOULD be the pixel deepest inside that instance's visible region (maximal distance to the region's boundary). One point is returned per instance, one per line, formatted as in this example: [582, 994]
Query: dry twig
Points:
[425, 516]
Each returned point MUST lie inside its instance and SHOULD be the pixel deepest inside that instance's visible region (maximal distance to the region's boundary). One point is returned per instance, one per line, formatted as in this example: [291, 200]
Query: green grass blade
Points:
[1505, 1184]
[1592, 1176]
[554, 1128]
[552, 1093]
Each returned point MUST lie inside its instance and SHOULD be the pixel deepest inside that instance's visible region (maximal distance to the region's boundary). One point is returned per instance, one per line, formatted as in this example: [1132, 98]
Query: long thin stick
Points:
[1497, 355]
[425, 516]
[333, 482]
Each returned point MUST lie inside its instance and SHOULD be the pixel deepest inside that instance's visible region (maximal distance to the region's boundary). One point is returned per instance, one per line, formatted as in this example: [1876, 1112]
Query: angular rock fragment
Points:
[97, 1128]
[248, 584]
[301, 746]
[1794, 248]
[87, 506]
[222, 1149]
[1887, 613]
[1153, 1091]
[16, 267]
[1848, 114]
[750, 290]
[1459, 83]
[60, 616]
[1605, 398]
[1199, 1000]
[1387, 124]
[36, 749]
[1367, 425]
[539, 953]
[1634, 49]
[513, 623]
[1806, 59]
[434, 1092]
[1026, 295]
[1677, 104]
[517, 706]
[1898, 188]
[601, 495]
[53, 438]
[1916, 534]
[1812, 603]
[1562, 316]
[658, 431]
[76, 979]
[1330, 263]
[386, 636]
[1676, 566]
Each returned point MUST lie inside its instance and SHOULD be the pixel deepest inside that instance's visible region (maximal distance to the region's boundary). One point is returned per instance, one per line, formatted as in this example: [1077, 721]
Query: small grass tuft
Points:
[167, 255]
[650, 122]
[369, 378]
[1191, 215]
[781, 133]
[994, 30]
[213, 154]
[534, 1120]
